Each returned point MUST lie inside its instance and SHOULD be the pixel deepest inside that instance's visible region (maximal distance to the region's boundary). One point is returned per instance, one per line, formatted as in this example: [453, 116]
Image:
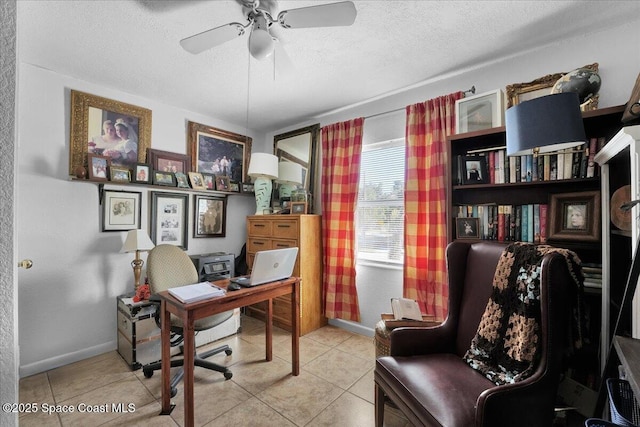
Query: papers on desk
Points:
[196, 292]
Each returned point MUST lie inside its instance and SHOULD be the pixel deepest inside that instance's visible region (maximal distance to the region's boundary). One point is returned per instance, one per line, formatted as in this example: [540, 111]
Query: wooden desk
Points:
[628, 350]
[189, 313]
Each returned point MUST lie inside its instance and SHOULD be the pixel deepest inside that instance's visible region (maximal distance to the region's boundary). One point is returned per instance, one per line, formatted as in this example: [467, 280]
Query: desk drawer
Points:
[258, 244]
[282, 244]
[286, 229]
[260, 227]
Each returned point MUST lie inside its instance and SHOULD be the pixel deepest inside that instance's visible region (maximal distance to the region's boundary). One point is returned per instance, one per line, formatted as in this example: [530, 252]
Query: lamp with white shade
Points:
[263, 168]
[289, 177]
[137, 241]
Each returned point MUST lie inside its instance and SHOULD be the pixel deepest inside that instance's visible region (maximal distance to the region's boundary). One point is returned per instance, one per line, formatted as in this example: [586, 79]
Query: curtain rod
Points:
[471, 91]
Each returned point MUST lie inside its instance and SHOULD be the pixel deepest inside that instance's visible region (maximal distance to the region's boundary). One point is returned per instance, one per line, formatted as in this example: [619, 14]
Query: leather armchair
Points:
[426, 376]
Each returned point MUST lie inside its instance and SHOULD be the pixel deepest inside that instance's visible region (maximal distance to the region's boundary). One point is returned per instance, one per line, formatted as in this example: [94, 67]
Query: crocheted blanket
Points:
[506, 348]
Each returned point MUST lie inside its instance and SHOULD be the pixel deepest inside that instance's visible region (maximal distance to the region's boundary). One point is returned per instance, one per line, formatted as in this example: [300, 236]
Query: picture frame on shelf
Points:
[169, 219]
[478, 112]
[182, 180]
[298, 208]
[98, 167]
[167, 179]
[121, 210]
[210, 216]
[218, 151]
[234, 186]
[474, 170]
[467, 228]
[119, 174]
[575, 216]
[222, 183]
[197, 181]
[209, 181]
[167, 161]
[93, 130]
[142, 173]
[247, 188]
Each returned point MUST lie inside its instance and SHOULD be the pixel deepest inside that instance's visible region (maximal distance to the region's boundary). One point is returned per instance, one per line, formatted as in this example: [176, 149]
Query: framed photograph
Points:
[108, 128]
[164, 178]
[219, 152]
[98, 167]
[209, 181]
[169, 218]
[182, 180]
[467, 228]
[121, 210]
[475, 170]
[477, 112]
[210, 218]
[142, 173]
[575, 216]
[119, 174]
[167, 161]
[197, 181]
[519, 92]
[298, 208]
[247, 187]
[234, 186]
[222, 183]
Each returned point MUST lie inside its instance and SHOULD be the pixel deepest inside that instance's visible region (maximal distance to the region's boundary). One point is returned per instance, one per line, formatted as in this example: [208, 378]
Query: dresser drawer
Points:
[260, 227]
[282, 244]
[285, 229]
[256, 244]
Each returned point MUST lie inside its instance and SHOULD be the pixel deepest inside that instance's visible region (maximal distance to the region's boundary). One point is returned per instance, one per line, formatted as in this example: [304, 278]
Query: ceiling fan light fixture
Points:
[261, 43]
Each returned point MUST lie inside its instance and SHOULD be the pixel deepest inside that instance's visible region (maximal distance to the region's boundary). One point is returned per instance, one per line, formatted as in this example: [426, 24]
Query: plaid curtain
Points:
[341, 150]
[425, 228]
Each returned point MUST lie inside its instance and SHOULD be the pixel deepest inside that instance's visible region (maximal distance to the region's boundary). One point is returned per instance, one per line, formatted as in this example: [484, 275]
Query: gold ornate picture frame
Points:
[91, 115]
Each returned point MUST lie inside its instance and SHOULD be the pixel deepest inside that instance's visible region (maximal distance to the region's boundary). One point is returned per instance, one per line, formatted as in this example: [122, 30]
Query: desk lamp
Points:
[136, 241]
[263, 168]
[289, 177]
[544, 125]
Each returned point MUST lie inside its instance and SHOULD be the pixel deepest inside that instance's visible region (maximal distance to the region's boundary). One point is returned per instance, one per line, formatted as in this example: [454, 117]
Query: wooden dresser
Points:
[284, 231]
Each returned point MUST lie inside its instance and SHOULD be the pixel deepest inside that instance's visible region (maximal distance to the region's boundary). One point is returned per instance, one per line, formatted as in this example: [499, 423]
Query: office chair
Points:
[169, 266]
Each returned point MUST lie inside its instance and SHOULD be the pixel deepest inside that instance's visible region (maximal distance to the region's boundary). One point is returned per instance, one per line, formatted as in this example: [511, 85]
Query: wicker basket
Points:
[382, 339]
[624, 407]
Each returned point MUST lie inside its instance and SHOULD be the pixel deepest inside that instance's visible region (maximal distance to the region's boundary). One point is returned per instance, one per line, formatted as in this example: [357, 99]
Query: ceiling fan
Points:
[260, 17]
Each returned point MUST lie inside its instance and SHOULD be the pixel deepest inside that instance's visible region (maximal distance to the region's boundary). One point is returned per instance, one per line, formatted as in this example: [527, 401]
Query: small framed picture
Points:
[182, 180]
[142, 173]
[234, 186]
[119, 174]
[169, 218]
[167, 161]
[467, 228]
[298, 208]
[222, 183]
[164, 178]
[475, 170]
[98, 166]
[197, 181]
[209, 181]
[575, 216]
[477, 112]
[247, 187]
[210, 216]
[121, 210]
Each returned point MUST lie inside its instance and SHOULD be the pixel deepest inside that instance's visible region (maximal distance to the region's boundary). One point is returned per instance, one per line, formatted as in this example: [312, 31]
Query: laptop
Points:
[269, 266]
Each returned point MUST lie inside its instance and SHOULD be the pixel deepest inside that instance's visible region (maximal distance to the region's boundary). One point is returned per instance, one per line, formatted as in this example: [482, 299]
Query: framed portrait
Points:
[182, 180]
[475, 170]
[167, 161]
[209, 181]
[197, 181]
[222, 183]
[298, 208]
[119, 174]
[477, 112]
[164, 178]
[121, 210]
[467, 228]
[142, 173]
[575, 216]
[169, 218]
[247, 187]
[98, 167]
[299, 146]
[108, 128]
[219, 152]
[210, 216]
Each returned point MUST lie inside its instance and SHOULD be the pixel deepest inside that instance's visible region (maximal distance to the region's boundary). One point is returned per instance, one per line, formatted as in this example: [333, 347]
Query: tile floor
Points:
[334, 388]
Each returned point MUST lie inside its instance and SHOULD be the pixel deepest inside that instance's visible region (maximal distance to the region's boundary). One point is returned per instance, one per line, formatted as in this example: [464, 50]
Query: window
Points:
[380, 216]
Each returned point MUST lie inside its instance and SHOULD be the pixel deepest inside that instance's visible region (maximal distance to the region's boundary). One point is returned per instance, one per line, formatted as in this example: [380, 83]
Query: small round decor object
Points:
[81, 172]
[620, 218]
[583, 81]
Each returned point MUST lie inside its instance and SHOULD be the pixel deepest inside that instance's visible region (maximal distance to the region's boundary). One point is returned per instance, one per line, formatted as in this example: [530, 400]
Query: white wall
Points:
[67, 301]
[617, 52]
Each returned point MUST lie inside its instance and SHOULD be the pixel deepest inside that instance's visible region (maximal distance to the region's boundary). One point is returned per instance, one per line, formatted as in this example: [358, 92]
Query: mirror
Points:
[299, 146]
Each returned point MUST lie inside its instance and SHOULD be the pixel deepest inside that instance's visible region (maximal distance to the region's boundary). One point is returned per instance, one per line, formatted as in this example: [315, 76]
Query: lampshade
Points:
[263, 164]
[260, 41]
[137, 240]
[546, 124]
[289, 172]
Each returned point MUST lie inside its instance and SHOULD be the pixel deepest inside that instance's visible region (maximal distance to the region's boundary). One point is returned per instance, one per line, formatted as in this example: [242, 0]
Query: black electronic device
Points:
[214, 266]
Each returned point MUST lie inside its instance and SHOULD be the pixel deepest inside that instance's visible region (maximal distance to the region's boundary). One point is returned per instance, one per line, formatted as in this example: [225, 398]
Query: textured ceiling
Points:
[133, 46]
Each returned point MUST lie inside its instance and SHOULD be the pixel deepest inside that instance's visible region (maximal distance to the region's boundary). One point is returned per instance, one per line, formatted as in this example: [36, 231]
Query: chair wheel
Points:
[228, 352]
[174, 391]
[147, 373]
[228, 375]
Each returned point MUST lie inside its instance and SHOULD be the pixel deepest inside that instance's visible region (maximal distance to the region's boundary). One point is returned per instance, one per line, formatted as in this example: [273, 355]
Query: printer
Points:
[214, 266]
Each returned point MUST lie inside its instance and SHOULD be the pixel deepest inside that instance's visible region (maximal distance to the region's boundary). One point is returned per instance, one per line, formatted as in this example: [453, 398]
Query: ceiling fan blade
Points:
[325, 15]
[211, 38]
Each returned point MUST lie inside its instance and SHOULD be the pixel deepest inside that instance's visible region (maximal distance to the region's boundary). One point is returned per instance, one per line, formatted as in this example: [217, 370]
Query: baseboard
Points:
[65, 359]
[356, 328]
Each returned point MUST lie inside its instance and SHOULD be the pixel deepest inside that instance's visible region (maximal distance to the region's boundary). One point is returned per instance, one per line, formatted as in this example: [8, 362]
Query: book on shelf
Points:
[591, 164]
[568, 164]
[560, 165]
[405, 309]
[196, 292]
[536, 223]
[544, 208]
